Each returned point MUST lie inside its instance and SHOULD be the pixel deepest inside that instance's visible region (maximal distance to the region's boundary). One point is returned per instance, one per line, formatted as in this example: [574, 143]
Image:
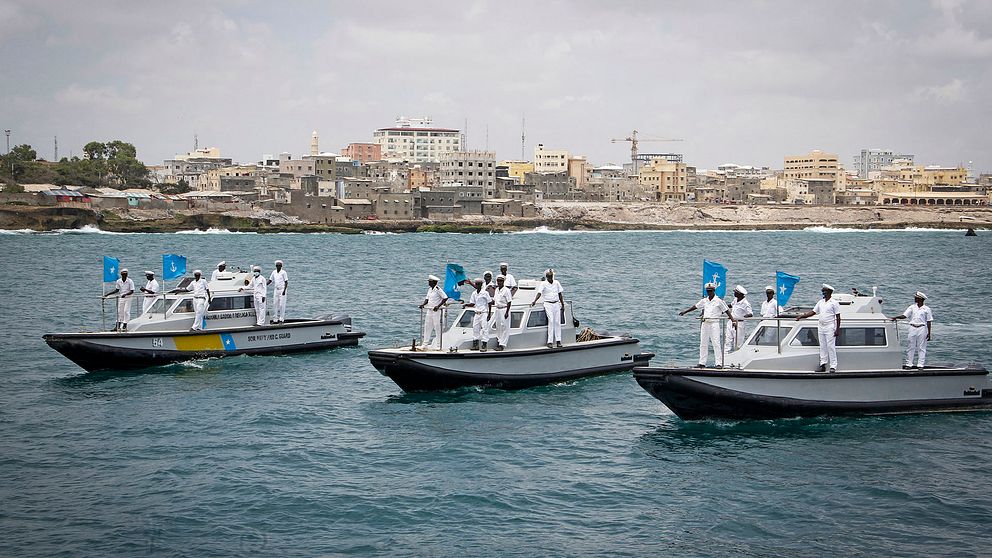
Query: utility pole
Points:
[523, 137]
[8, 140]
[56, 149]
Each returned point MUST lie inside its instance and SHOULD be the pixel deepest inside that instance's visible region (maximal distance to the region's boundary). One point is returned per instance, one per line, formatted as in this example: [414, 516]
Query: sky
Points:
[745, 82]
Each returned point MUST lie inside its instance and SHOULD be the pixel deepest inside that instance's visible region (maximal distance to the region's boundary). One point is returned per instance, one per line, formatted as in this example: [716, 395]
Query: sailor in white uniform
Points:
[280, 279]
[502, 300]
[709, 331]
[125, 288]
[482, 303]
[827, 327]
[151, 291]
[770, 307]
[509, 280]
[740, 308]
[201, 299]
[487, 279]
[920, 329]
[258, 287]
[220, 269]
[434, 300]
[550, 292]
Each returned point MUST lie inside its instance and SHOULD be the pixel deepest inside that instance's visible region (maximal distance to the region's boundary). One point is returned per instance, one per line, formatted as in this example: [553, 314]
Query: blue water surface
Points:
[318, 454]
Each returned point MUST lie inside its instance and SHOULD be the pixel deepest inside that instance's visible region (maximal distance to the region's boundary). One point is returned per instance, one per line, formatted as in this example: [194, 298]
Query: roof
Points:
[355, 201]
[400, 129]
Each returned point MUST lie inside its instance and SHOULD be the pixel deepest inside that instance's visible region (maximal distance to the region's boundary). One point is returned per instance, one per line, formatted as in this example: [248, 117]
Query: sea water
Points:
[318, 454]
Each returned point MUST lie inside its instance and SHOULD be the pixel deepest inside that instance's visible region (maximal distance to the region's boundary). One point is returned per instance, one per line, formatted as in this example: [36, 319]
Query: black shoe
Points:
[822, 368]
[483, 349]
[914, 368]
[551, 345]
[499, 348]
[906, 367]
[832, 370]
[700, 366]
[559, 344]
[475, 345]
[719, 366]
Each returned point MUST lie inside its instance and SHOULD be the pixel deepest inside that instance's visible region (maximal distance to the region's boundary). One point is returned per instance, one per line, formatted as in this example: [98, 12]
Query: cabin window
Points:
[465, 320]
[515, 319]
[537, 318]
[158, 307]
[184, 306]
[767, 336]
[230, 303]
[849, 337]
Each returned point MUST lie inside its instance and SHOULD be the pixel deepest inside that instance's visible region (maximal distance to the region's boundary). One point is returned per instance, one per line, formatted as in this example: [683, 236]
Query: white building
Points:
[417, 140]
[470, 168]
[550, 160]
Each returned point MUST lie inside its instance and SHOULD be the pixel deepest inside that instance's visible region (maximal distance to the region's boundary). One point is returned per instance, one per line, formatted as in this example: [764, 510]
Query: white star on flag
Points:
[782, 288]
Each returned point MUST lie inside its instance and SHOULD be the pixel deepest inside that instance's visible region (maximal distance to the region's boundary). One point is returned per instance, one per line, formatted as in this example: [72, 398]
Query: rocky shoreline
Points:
[556, 216]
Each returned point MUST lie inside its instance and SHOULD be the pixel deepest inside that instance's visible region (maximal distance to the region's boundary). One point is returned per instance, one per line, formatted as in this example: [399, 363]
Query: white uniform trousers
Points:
[553, 310]
[432, 325]
[502, 326]
[480, 328]
[124, 309]
[199, 310]
[259, 301]
[828, 345]
[916, 342]
[147, 303]
[709, 334]
[278, 307]
[735, 336]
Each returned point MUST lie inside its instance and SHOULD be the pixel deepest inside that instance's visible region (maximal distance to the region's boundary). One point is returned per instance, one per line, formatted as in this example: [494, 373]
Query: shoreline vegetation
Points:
[562, 216]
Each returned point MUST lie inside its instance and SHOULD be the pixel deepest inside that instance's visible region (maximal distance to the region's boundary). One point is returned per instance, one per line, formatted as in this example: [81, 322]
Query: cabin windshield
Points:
[769, 336]
[538, 318]
[849, 337]
[515, 319]
[230, 303]
[159, 306]
[465, 320]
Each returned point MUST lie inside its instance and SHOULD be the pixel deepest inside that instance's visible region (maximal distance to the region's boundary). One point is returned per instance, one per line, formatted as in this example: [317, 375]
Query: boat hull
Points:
[130, 351]
[511, 369]
[735, 395]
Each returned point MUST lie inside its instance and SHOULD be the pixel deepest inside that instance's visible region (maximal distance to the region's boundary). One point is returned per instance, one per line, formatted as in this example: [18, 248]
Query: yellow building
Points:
[816, 165]
[211, 179]
[578, 169]
[668, 180]
[517, 169]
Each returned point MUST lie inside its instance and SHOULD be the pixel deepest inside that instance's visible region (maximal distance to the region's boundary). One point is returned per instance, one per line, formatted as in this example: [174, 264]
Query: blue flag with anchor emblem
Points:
[717, 274]
[173, 266]
[784, 284]
[454, 275]
[111, 269]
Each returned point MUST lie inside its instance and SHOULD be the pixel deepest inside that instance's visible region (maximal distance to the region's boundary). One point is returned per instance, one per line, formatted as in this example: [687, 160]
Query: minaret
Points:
[314, 151]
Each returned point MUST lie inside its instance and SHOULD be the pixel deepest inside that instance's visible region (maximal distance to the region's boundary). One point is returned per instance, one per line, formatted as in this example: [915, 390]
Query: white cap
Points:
[221, 263]
[491, 286]
[549, 270]
[740, 289]
[769, 288]
[124, 270]
[432, 278]
[709, 286]
[501, 278]
[149, 272]
[197, 272]
[504, 264]
[477, 280]
[489, 273]
[827, 287]
[919, 294]
[278, 262]
[256, 268]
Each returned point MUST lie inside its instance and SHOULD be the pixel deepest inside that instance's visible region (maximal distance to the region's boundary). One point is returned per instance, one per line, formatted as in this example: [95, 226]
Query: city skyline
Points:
[745, 83]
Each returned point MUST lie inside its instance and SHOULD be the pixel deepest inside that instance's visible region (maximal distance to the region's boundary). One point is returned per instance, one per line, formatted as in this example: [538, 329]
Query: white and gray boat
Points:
[162, 334]
[526, 361]
[773, 374]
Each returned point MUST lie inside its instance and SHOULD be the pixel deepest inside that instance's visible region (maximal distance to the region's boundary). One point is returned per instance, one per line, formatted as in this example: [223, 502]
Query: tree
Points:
[95, 150]
[180, 188]
[16, 163]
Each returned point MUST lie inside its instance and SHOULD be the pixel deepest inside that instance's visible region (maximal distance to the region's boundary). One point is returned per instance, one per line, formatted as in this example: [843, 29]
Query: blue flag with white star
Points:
[454, 275]
[111, 269]
[784, 284]
[173, 266]
[717, 274]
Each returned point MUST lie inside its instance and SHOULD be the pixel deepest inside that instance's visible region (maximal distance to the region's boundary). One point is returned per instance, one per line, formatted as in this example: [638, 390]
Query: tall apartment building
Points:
[667, 179]
[872, 160]
[815, 164]
[550, 160]
[417, 140]
[471, 169]
[364, 152]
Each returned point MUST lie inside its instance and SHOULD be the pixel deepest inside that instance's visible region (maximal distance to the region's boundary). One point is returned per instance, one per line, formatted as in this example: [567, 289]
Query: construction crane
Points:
[633, 139]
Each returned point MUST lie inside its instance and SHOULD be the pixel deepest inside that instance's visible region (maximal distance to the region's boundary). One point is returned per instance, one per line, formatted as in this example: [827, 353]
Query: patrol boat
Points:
[772, 374]
[162, 334]
[526, 361]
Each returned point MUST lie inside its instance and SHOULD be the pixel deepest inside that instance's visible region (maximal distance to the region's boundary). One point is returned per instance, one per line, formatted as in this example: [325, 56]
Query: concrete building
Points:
[423, 175]
[819, 191]
[666, 179]
[815, 164]
[470, 168]
[550, 185]
[417, 140]
[517, 169]
[437, 205]
[312, 209]
[189, 166]
[328, 166]
[578, 169]
[391, 205]
[871, 161]
[314, 144]
[298, 167]
[550, 160]
[364, 152]
[210, 180]
[740, 189]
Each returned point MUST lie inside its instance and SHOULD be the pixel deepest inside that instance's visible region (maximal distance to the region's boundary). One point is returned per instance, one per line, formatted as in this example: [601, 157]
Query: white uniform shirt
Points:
[918, 315]
[510, 281]
[481, 300]
[712, 308]
[151, 286]
[827, 310]
[549, 291]
[213, 275]
[770, 308]
[257, 285]
[435, 296]
[503, 297]
[739, 309]
[279, 280]
[198, 288]
[125, 287]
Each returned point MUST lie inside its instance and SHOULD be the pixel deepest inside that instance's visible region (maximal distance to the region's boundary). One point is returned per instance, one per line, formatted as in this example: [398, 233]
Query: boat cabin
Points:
[174, 311]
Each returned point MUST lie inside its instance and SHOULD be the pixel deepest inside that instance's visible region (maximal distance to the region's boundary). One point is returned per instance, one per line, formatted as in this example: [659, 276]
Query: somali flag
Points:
[784, 284]
[717, 274]
[454, 275]
[173, 266]
[111, 269]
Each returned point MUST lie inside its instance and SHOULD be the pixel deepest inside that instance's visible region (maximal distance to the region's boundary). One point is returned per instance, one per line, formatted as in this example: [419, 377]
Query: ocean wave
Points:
[213, 230]
[378, 233]
[822, 229]
[17, 231]
[85, 229]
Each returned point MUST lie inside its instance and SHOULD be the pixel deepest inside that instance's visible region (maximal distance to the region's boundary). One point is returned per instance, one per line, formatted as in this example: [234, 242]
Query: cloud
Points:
[950, 92]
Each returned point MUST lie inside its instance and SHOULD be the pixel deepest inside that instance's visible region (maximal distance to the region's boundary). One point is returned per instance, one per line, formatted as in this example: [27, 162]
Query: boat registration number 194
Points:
[269, 337]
